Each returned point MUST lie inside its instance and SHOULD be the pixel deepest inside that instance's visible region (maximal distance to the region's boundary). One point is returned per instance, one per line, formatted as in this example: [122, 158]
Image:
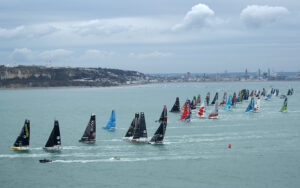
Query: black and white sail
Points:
[176, 106]
[160, 132]
[140, 130]
[54, 140]
[89, 134]
[215, 98]
[22, 142]
[130, 130]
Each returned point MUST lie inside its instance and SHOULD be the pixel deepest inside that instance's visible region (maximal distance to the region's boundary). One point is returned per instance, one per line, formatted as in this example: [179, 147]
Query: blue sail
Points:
[111, 124]
[250, 107]
[228, 105]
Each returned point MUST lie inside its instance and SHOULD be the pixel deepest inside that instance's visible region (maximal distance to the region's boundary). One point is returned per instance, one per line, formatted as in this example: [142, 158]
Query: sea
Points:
[265, 146]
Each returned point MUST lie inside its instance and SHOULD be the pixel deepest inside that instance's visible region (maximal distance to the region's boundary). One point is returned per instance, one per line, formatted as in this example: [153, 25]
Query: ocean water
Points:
[265, 146]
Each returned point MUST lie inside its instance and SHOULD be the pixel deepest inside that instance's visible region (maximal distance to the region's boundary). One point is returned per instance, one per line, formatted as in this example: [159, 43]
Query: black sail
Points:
[176, 106]
[140, 130]
[24, 137]
[54, 138]
[160, 132]
[90, 131]
[207, 98]
[129, 132]
[215, 98]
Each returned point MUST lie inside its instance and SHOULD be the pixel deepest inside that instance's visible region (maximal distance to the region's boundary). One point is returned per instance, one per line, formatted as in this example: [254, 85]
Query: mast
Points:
[176, 106]
[24, 136]
[54, 138]
[160, 132]
[89, 134]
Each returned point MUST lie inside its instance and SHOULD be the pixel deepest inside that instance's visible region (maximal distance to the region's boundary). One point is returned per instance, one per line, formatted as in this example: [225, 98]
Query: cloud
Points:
[199, 16]
[256, 16]
[154, 54]
[55, 54]
[98, 53]
[21, 54]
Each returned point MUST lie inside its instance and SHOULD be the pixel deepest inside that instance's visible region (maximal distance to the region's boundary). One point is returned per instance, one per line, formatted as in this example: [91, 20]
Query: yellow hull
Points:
[18, 148]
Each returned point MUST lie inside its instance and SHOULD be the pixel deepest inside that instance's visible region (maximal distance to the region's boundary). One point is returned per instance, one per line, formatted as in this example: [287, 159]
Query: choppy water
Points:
[265, 146]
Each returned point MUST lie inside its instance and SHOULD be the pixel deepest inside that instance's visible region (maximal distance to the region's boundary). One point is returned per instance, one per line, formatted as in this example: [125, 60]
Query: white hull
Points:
[143, 139]
[54, 148]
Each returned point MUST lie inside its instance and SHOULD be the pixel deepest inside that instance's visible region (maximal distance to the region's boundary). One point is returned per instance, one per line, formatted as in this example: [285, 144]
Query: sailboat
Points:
[228, 105]
[257, 105]
[160, 132]
[198, 100]
[224, 99]
[207, 98]
[130, 130]
[89, 135]
[176, 106]
[54, 142]
[140, 130]
[250, 107]
[240, 98]
[201, 112]
[215, 98]
[186, 114]
[268, 95]
[111, 124]
[234, 99]
[284, 106]
[194, 103]
[22, 142]
[214, 114]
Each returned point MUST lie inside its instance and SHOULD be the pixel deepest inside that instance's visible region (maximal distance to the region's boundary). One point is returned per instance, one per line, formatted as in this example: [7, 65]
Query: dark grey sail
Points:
[24, 137]
[140, 130]
[129, 132]
[215, 98]
[160, 132]
[176, 106]
[207, 98]
[54, 138]
[89, 134]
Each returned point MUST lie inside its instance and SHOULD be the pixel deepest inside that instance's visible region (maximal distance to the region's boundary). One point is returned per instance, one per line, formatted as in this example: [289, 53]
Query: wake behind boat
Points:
[54, 141]
[45, 160]
[22, 141]
[89, 135]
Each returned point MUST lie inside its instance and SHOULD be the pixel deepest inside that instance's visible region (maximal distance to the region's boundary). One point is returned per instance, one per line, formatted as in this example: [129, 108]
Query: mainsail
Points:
[201, 110]
[257, 105]
[198, 100]
[207, 98]
[140, 130]
[214, 114]
[215, 98]
[250, 107]
[89, 134]
[186, 114]
[228, 105]
[111, 124]
[160, 132]
[194, 103]
[129, 132]
[176, 106]
[224, 99]
[284, 106]
[234, 99]
[54, 141]
[22, 142]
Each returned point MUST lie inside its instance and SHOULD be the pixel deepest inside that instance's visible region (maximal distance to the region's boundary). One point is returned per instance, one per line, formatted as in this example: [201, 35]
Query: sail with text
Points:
[54, 140]
[228, 105]
[224, 99]
[176, 106]
[89, 135]
[130, 130]
[215, 98]
[284, 106]
[140, 130]
[111, 124]
[257, 105]
[214, 114]
[22, 142]
[250, 107]
[201, 112]
[160, 132]
[186, 114]
[207, 98]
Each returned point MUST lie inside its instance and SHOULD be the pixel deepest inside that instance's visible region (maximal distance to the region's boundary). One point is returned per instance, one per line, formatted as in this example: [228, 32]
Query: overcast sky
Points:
[153, 36]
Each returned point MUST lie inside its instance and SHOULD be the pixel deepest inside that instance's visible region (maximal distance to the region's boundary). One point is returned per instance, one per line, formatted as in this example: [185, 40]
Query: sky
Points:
[153, 36]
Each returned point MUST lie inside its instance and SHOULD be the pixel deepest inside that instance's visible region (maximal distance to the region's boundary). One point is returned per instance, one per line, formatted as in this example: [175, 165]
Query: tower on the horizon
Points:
[246, 74]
